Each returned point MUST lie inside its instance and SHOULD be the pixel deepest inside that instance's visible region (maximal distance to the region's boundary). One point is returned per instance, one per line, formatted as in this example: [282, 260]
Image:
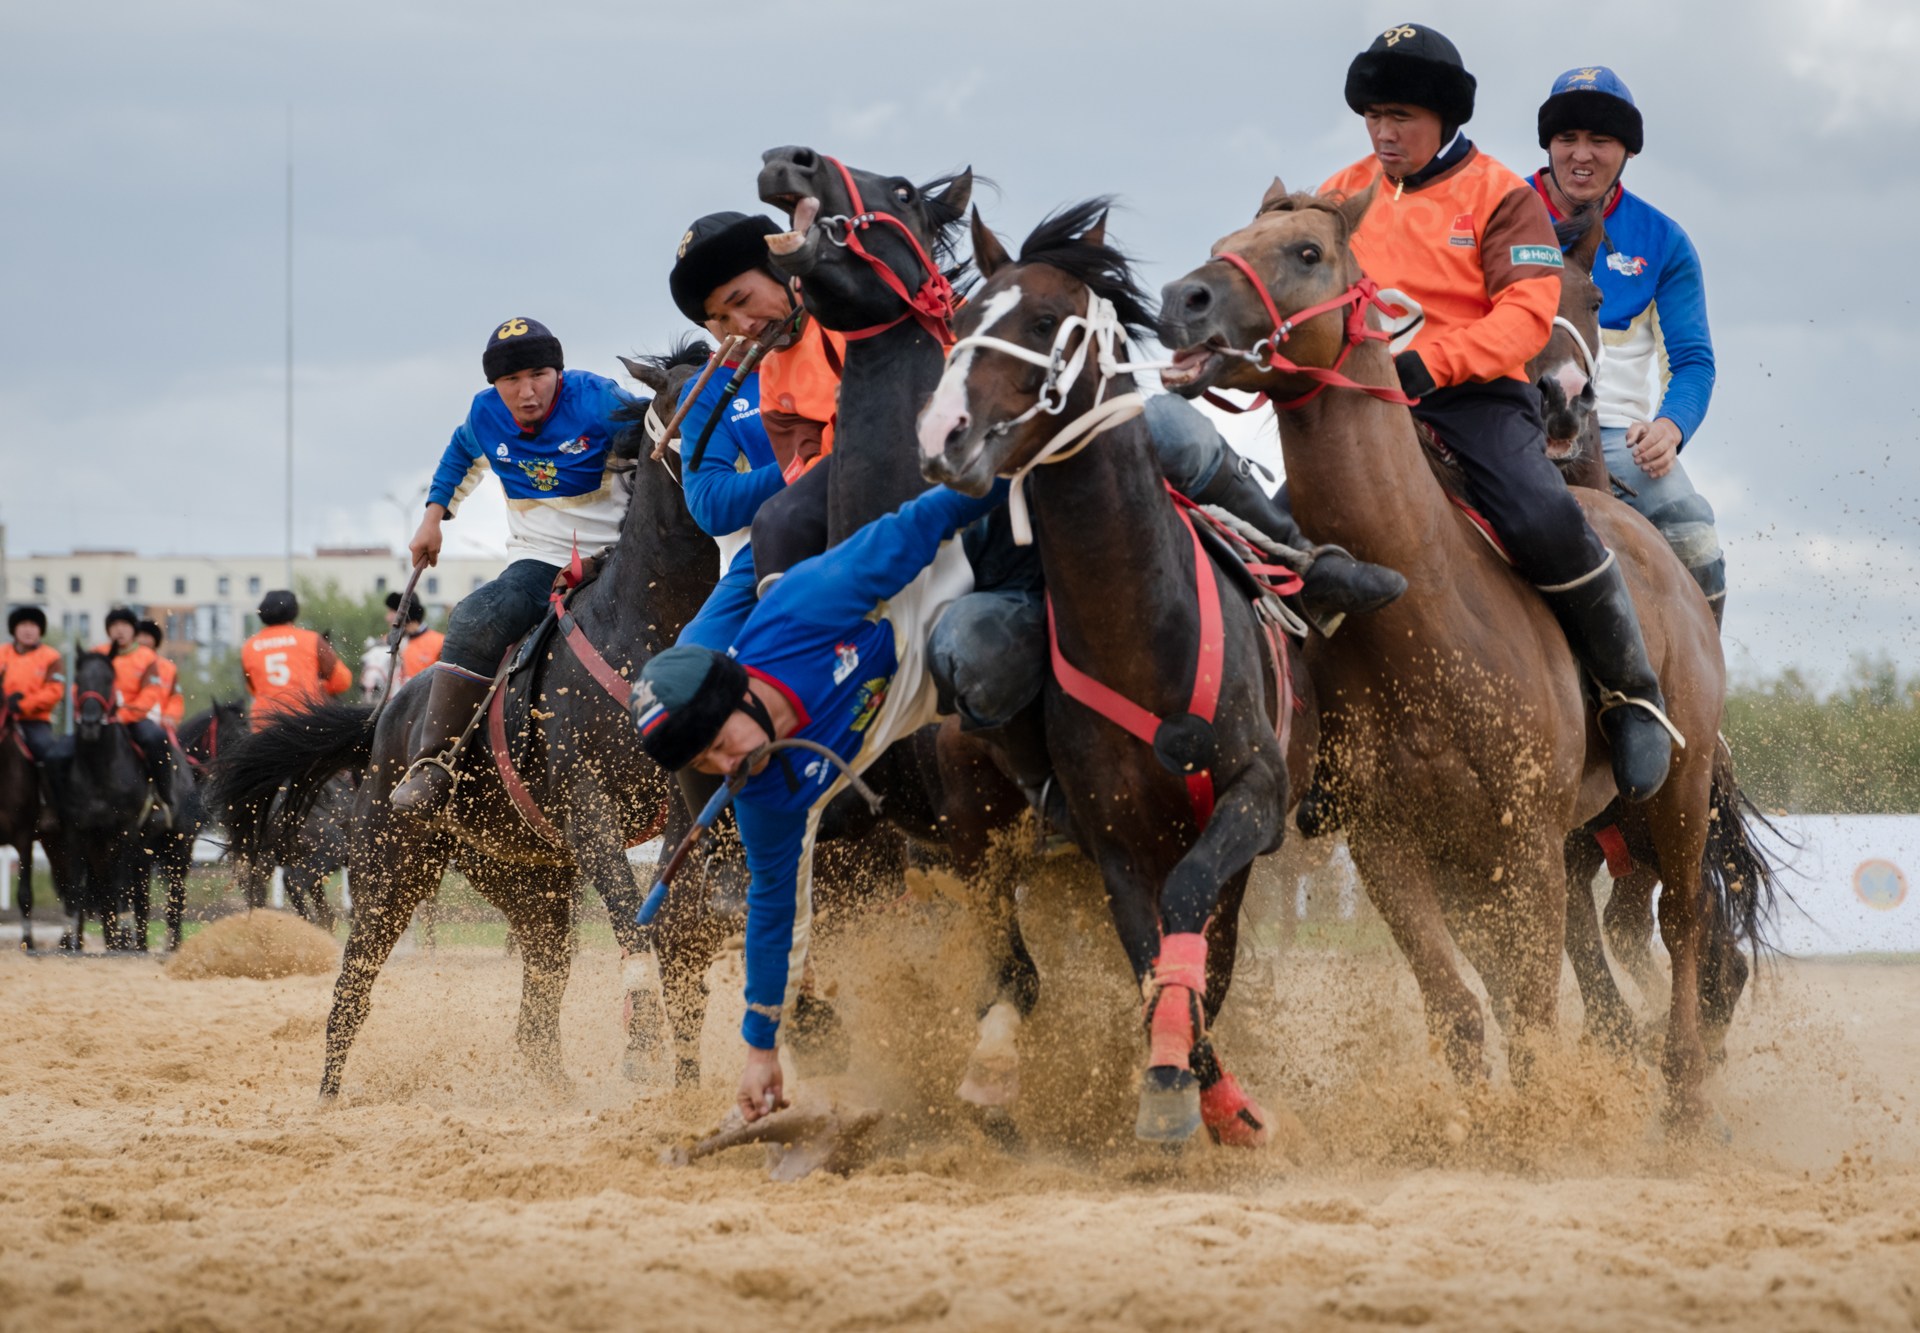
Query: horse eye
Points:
[1045, 325]
[1309, 254]
[903, 194]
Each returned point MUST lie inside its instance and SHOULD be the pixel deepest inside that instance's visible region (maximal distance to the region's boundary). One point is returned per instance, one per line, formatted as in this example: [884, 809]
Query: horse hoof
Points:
[1169, 1106]
[990, 1086]
[1233, 1119]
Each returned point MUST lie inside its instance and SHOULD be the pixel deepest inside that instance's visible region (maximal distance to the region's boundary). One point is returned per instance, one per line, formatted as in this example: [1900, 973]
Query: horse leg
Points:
[1232, 1119]
[1534, 906]
[539, 906]
[1629, 927]
[1401, 885]
[25, 853]
[141, 885]
[1678, 817]
[686, 936]
[176, 908]
[385, 896]
[1608, 1021]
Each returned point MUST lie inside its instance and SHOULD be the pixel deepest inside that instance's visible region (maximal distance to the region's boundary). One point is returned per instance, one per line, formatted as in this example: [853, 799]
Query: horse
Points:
[1171, 797]
[20, 810]
[1457, 736]
[577, 793]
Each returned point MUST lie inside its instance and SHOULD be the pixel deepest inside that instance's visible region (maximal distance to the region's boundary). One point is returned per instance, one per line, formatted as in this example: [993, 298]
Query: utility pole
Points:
[289, 497]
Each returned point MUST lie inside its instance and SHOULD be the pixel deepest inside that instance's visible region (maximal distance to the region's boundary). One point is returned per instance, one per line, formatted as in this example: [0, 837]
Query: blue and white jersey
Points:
[559, 490]
[844, 637]
[738, 471]
[1653, 318]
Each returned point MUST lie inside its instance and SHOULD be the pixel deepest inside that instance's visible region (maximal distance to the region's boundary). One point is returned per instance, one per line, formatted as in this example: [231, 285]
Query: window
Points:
[224, 584]
[86, 624]
[433, 585]
[73, 584]
[179, 587]
[380, 583]
[133, 586]
[39, 585]
[253, 585]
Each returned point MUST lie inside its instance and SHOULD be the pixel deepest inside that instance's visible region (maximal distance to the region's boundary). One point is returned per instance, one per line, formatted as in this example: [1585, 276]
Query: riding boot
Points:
[1022, 743]
[726, 866]
[1604, 633]
[452, 697]
[1336, 584]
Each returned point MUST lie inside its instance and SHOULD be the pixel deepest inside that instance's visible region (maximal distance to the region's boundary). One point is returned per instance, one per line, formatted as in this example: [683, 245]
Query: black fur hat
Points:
[122, 613]
[520, 344]
[1595, 99]
[152, 628]
[279, 607]
[1412, 63]
[683, 698]
[717, 248]
[20, 613]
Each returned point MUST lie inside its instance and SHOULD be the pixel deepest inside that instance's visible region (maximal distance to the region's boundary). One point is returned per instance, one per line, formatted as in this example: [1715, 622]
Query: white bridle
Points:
[1589, 359]
[1103, 334]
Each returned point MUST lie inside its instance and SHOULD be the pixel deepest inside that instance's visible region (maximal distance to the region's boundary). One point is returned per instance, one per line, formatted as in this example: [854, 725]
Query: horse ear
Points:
[959, 193]
[651, 376]
[1097, 233]
[989, 256]
[1587, 248]
[1276, 193]
[1355, 207]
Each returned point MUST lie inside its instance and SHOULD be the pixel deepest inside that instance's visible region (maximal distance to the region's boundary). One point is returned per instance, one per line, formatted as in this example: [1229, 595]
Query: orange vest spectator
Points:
[33, 671]
[418, 651]
[799, 397]
[136, 679]
[288, 668]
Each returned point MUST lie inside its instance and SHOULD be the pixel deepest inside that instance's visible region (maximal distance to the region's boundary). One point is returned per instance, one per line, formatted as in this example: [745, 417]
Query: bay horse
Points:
[1457, 735]
[20, 811]
[1174, 812]
[586, 790]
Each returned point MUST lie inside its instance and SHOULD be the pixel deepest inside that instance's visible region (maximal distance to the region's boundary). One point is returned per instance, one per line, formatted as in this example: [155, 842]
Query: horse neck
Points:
[657, 575]
[1103, 520]
[876, 467]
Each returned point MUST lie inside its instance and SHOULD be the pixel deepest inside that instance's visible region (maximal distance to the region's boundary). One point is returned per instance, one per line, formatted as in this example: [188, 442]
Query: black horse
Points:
[20, 811]
[581, 770]
[1176, 784]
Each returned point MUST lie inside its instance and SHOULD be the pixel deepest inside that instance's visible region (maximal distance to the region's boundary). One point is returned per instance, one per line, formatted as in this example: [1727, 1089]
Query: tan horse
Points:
[1458, 741]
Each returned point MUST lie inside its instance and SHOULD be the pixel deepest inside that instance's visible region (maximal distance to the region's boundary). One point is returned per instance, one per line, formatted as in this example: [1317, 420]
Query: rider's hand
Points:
[1655, 445]
[760, 1085]
[14, 701]
[425, 546]
[1416, 381]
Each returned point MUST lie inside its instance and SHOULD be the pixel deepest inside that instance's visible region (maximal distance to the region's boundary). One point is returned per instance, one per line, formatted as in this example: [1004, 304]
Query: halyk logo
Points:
[1547, 256]
[849, 662]
[1627, 266]
[513, 328]
[1461, 233]
[575, 446]
[544, 476]
[1394, 36]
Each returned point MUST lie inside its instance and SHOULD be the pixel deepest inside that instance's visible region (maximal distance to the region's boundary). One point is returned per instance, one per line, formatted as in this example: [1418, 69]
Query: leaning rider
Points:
[173, 704]
[1653, 315]
[835, 653]
[546, 432]
[139, 692]
[1469, 253]
[32, 679]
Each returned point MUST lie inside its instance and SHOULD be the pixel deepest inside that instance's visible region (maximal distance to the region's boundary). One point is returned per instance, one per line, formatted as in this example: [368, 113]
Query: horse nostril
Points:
[959, 431]
[1196, 300]
[803, 157]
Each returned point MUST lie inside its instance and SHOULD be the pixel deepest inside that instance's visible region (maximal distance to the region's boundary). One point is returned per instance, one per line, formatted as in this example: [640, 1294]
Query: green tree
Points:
[1854, 752]
[346, 621]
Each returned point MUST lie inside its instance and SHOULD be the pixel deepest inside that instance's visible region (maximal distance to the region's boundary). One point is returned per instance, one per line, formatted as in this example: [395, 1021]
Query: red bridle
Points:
[932, 305]
[106, 704]
[1355, 300]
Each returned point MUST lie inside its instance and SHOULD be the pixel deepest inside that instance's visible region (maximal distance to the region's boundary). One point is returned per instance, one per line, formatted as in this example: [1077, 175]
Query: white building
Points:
[208, 600]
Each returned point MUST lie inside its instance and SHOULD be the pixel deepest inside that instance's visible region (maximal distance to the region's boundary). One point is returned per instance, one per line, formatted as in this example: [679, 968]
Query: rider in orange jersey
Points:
[138, 693]
[173, 704]
[288, 668]
[32, 678]
[419, 649]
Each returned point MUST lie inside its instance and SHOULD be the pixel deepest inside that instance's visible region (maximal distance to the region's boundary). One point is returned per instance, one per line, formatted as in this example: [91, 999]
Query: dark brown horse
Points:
[573, 748]
[1458, 739]
[1173, 814]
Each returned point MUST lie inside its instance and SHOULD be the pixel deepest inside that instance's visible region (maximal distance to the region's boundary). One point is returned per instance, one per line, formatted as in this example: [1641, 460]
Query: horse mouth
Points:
[1561, 449]
[803, 208]
[1193, 368]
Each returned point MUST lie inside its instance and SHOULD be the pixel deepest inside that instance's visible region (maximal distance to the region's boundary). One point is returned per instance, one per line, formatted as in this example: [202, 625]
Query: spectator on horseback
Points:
[33, 679]
[546, 432]
[173, 704]
[835, 654]
[1653, 316]
[288, 668]
[139, 692]
[1466, 248]
[419, 646]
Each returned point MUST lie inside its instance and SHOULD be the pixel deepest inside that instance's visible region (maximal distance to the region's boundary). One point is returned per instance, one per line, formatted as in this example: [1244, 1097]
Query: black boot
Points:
[1604, 633]
[726, 862]
[1336, 583]
[452, 697]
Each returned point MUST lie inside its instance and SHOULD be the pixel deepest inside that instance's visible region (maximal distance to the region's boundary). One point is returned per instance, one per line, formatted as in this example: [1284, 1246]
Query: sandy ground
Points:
[164, 1164]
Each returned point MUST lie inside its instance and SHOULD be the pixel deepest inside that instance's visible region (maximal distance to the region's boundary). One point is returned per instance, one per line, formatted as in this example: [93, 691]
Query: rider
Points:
[288, 668]
[139, 691]
[1653, 316]
[173, 704]
[834, 653]
[546, 432]
[420, 647]
[32, 681]
[1470, 254]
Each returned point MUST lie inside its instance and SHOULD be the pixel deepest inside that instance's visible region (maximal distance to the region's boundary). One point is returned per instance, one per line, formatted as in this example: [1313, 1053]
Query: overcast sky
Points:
[457, 163]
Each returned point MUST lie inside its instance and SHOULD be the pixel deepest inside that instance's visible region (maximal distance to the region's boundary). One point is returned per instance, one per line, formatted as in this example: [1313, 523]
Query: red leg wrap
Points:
[1234, 1119]
[1179, 980]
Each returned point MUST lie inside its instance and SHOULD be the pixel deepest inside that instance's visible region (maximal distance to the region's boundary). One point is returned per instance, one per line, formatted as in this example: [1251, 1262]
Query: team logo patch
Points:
[1394, 36]
[685, 241]
[873, 697]
[544, 476]
[501, 450]
[1547, 256]
[1461, 233]
[575, 446]
[849, 662]
[742, 405]
[1583, 76]
[648, 711]
[1627, 266]
[513, 328]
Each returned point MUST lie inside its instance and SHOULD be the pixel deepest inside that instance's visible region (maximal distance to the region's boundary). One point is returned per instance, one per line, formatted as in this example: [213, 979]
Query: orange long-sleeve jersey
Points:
[1473, 248]
[288, 668]
[136, 679]
[173, 704]
[37, 675]
[417, 653]
[799, 397]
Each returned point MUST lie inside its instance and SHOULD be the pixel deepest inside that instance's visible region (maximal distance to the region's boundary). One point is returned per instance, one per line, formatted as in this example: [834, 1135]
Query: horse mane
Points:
[1060, 242]
[1569, 231]
[949, 225]
[689, 349]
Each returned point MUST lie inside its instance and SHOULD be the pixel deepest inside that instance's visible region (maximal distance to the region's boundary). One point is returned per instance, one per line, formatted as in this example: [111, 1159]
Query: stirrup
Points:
[1612, 699]
[443, 761]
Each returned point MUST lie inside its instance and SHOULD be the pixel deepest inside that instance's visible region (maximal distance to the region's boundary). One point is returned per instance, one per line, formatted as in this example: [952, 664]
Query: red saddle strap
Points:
[1208, 663]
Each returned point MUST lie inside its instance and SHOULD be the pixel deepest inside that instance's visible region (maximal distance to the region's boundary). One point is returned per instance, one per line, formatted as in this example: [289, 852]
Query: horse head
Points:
[93, 692]
[667, 374]
[1217, 322]
[1023, 366]
[867, 249]
[1565, 369]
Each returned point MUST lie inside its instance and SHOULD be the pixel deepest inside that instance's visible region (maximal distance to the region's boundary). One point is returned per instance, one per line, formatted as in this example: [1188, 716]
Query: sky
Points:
[458, 163]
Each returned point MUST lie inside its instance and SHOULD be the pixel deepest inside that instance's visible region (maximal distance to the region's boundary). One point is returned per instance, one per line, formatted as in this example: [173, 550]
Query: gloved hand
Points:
[14, 700]
[1416, 381]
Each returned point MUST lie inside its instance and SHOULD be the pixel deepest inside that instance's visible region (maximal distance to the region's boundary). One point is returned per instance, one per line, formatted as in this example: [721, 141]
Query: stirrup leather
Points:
[1612, 699]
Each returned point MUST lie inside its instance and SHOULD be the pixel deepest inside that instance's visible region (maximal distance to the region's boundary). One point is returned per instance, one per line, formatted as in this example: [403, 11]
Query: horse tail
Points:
[1742, 882]
[292, 759]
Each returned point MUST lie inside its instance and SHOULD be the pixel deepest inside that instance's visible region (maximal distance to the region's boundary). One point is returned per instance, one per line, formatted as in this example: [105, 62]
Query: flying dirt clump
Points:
[259, 944]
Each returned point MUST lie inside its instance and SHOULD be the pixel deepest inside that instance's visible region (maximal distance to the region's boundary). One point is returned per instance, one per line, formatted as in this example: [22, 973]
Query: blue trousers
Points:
[1670, 503]
[488, 619]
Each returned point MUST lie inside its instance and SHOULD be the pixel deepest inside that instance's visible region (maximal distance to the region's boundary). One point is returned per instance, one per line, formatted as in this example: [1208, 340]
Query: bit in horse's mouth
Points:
[804, 209]
[1191, 365]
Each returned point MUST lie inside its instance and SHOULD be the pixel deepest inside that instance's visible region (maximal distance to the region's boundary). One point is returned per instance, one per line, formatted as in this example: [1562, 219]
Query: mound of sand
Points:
[259, 944]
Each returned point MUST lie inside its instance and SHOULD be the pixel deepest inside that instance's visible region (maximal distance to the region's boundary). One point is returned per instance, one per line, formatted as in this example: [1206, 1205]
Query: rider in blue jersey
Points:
[835, 652]
[1653, 315]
